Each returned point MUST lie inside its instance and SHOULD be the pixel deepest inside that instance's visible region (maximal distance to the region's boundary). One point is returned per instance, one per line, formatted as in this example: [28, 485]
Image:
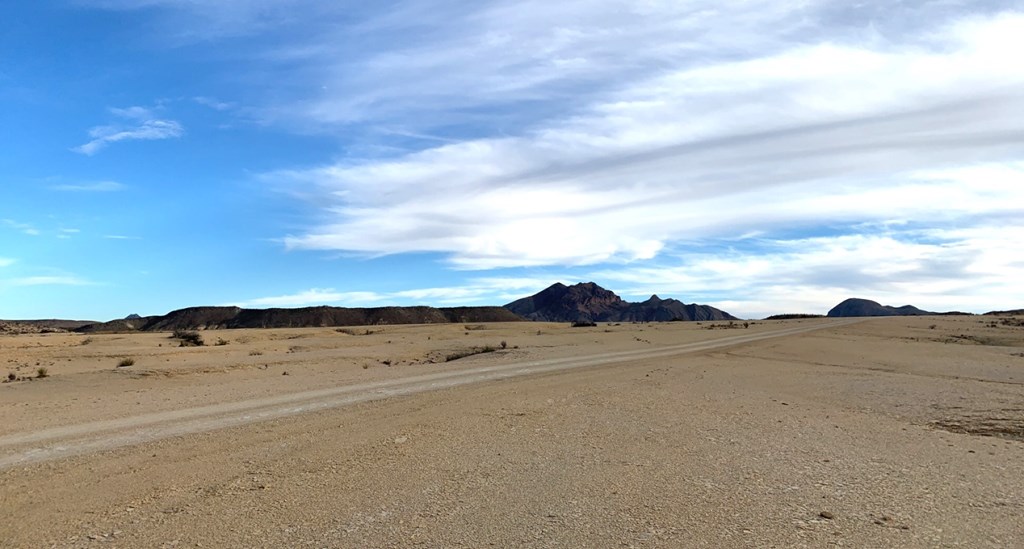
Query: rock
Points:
[826, 515]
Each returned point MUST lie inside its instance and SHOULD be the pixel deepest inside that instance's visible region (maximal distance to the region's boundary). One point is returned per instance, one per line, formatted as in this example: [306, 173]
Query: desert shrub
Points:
[503, 344]
[11, 376]
[221, 341]
[42, 372]
[188, 338]
[351, 332]
[87, 341]
[255, 352]
[583, 324]
[126, 362]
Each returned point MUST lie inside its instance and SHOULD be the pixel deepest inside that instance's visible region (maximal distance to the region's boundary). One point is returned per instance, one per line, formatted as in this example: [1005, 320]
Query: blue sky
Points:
[763, 156]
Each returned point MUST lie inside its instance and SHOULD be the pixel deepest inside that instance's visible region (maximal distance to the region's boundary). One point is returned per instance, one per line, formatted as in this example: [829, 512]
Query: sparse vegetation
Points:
[42, 372]
[188, 338]
[731, 325]
[87, 341]
[11, 376]
[583, 324]
[503, 344]
[351, 332]
[474, 327]
[126, 362]
[221, 341]
[255, 352]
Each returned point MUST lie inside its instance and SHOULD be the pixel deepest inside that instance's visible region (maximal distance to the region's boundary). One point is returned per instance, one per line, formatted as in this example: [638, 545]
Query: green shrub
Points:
[126, 362]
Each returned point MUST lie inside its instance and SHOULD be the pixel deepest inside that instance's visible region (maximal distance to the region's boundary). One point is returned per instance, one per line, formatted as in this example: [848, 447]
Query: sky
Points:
[761, 156]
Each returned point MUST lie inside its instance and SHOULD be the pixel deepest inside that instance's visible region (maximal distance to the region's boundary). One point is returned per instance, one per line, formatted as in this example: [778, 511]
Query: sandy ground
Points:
[901, 432]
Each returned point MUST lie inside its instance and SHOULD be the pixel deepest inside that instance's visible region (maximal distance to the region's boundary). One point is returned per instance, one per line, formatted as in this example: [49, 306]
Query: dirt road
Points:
[59, 442]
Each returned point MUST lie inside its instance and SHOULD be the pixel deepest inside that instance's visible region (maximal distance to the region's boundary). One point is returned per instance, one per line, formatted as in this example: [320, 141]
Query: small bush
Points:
[188, 338]
[221, 341]
[583, 324]
[87, 341]
[255, 352]
[126, 362]
[503, 344]
[42, 372]
[11, 376]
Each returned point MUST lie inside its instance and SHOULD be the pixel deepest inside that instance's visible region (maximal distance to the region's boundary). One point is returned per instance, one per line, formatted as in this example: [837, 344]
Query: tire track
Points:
[66, 441]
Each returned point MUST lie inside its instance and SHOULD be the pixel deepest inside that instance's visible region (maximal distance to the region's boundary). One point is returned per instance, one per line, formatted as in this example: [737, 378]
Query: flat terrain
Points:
[886, 432]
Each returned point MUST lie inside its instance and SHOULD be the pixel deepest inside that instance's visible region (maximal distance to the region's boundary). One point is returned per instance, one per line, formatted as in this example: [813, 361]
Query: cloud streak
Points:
[139, 124]
[97, 187]
[48, 281]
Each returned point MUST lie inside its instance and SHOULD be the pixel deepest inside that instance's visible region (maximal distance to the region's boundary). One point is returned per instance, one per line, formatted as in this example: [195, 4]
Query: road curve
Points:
[60, 442]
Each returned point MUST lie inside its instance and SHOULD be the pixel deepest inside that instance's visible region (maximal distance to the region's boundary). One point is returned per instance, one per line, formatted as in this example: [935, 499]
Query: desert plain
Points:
[880, 432]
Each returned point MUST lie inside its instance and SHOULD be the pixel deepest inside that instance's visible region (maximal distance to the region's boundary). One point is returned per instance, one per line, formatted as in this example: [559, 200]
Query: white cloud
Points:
[974, 270]
[477, 291]
[813, 134]
[214, 103]
[24, 228]
[6, 261]
[48, 281]
[120, 237]
[99, 186]
[315, 296]
[591, 132]
[141, 124]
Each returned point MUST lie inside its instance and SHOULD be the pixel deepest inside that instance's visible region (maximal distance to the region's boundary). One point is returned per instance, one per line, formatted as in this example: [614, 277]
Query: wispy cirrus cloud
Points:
[483, 290]
[95, 187]
[213, 103]
[24, 228]
[139, 123]
[62, 280]
[314, 296]
[617, 136]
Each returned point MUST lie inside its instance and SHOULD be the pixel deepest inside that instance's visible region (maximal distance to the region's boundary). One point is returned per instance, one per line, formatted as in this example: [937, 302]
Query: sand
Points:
[877, 433]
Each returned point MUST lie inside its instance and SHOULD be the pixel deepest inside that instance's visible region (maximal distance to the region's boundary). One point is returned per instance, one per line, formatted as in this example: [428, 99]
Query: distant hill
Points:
[865, 307]
[590, 302]
[208, 318]
[40, 326]
[1012, 312]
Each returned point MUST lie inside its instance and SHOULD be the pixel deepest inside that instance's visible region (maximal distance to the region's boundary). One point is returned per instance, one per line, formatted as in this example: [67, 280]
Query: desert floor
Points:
[892, 432]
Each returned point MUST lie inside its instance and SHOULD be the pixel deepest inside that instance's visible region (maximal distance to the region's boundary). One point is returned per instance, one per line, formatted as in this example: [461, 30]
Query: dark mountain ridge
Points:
[212, 318]
[589, 302]
[865, 307]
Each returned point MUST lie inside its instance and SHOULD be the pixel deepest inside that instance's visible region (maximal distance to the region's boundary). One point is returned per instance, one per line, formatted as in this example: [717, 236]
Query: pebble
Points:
[826, 515]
